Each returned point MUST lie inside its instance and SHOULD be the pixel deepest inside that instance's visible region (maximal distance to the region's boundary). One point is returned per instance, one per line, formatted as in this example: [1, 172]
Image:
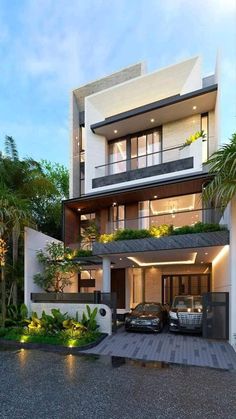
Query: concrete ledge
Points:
[184, 241]
[156, 170]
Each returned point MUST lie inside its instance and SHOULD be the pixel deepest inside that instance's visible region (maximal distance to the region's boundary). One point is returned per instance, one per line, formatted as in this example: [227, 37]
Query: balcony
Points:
[166, 162]
[177, 219]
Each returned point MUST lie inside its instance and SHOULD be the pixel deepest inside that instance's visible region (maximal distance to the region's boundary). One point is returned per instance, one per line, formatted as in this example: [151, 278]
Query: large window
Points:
[135, 152]
[177, 210]
[145, 150]
[117, 217]
[117, 155]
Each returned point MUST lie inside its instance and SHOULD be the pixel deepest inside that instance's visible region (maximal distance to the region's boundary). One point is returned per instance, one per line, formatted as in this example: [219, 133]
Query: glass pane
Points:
[154, 146]
[204, 121]
[117, 153]
[143, 213]
[134, 152]
[142, 151]
[175, 286]
[194, 285]
[184, 288]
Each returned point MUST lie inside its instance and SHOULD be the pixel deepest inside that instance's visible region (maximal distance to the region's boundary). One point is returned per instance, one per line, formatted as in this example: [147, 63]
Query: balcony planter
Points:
[193, 150]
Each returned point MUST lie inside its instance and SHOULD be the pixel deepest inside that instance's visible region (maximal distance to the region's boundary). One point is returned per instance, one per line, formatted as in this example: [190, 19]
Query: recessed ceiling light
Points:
[206, 253]
[201, 261]
[194, 108]
[115, 131]
[120, 258]
[114, 204]
[152, 120]
[79, 209]
[155, 197]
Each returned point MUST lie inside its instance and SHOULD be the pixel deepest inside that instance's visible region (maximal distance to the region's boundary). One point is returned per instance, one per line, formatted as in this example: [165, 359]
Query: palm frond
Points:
[10, 148]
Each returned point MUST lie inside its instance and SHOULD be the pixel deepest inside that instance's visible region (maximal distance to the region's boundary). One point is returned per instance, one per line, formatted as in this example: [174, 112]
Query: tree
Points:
[222, 165]
[58, 267]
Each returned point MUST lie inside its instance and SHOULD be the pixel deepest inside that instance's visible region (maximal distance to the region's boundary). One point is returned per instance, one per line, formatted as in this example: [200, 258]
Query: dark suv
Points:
[186, 314]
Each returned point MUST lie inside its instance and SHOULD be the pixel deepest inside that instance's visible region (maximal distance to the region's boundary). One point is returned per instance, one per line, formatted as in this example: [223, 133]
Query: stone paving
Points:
[170, 348]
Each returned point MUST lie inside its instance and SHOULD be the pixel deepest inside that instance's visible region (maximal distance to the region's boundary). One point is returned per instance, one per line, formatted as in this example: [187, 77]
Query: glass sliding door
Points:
[145, 150]
[117, 157]
[117, 216]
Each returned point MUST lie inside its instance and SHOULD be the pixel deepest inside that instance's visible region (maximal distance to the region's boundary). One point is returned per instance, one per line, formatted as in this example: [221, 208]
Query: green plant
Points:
[58, 268]
[83, 253]
[192, 138]
[162, 230]
[222, 165]
[129, 234]
[89, 319]
[16, 315]
[198, 228]
[89, 235]
[106, 238]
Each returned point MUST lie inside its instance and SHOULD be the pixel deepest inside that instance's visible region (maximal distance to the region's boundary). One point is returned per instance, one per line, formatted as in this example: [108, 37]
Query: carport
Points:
[169, 348]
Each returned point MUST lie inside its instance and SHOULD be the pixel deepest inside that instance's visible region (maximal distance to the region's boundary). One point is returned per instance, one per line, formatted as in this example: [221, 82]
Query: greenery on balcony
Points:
[192, 138]
[159, 231]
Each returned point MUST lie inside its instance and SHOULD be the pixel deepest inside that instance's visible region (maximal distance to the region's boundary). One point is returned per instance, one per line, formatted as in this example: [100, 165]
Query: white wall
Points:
[104, 322]
[34, 241]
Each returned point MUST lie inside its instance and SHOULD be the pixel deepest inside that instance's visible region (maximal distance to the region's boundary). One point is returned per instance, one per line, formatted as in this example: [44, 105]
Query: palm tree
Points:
[222, 165]
[14, 215]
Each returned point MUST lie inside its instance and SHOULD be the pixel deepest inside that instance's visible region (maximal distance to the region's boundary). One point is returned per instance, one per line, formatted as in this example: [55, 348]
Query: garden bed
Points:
[49, 343]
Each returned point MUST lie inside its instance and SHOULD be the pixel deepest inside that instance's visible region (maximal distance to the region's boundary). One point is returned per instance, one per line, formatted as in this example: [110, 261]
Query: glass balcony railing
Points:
[177, 219]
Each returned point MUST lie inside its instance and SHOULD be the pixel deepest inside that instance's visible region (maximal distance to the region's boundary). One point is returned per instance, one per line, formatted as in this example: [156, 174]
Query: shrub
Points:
[106, 238]
[198, 228]
[83, 253]
[162, 230]
[129, 234]
[89, 319]
[16, 315]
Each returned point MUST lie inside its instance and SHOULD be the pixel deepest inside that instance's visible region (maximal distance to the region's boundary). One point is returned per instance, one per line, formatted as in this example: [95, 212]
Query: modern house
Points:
[138, 145]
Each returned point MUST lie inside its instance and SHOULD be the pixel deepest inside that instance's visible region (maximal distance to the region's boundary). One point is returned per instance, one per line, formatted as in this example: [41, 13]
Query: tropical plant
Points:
[222, 165]
[16, 315]
[192, 138]
[89, 235]
[89, 319]
[3, 252]
[58, 269]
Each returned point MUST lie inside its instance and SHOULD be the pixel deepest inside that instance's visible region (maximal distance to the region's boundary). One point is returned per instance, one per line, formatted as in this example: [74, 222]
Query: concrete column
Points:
[106, 282]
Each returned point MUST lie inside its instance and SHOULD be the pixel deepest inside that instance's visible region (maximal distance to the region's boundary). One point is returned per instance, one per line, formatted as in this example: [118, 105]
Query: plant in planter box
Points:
[192, 138]
[58, 268]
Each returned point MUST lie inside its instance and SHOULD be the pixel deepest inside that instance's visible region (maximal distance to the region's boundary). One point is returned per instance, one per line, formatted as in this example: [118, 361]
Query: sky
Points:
[49, 47]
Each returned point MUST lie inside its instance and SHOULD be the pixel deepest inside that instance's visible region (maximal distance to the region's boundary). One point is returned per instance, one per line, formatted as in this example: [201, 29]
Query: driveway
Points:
[42, 385]
[167, 347]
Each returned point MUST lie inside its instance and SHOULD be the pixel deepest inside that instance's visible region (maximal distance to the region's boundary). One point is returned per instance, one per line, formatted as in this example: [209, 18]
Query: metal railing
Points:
[175, 218]
[142, 161]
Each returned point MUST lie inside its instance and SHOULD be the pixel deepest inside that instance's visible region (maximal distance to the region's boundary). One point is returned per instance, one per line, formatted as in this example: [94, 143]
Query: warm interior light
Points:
[172, 262]
[155, 197]
[114, 204]
[79, 209]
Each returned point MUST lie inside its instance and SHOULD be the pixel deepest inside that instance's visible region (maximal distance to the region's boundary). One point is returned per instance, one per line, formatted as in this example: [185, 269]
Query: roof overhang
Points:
[163, 111]
[172, 187]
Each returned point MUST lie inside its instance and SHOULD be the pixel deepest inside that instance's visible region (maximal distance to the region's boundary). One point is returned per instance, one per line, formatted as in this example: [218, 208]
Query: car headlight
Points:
[156, 321]
[173, 315]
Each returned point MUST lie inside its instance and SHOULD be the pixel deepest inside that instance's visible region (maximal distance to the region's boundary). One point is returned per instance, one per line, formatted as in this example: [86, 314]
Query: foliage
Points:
[89, 235]
[16, 315]
[58, 269]
[89, 319]
[198, 228]
[192, 138]
[3, 252]
[54, 328]
[222, 164]
[83, 253]
[158, 231]
[162, 230]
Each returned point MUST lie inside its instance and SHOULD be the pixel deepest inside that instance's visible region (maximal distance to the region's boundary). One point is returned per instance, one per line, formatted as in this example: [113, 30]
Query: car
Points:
[186, 313]
[146, 317]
